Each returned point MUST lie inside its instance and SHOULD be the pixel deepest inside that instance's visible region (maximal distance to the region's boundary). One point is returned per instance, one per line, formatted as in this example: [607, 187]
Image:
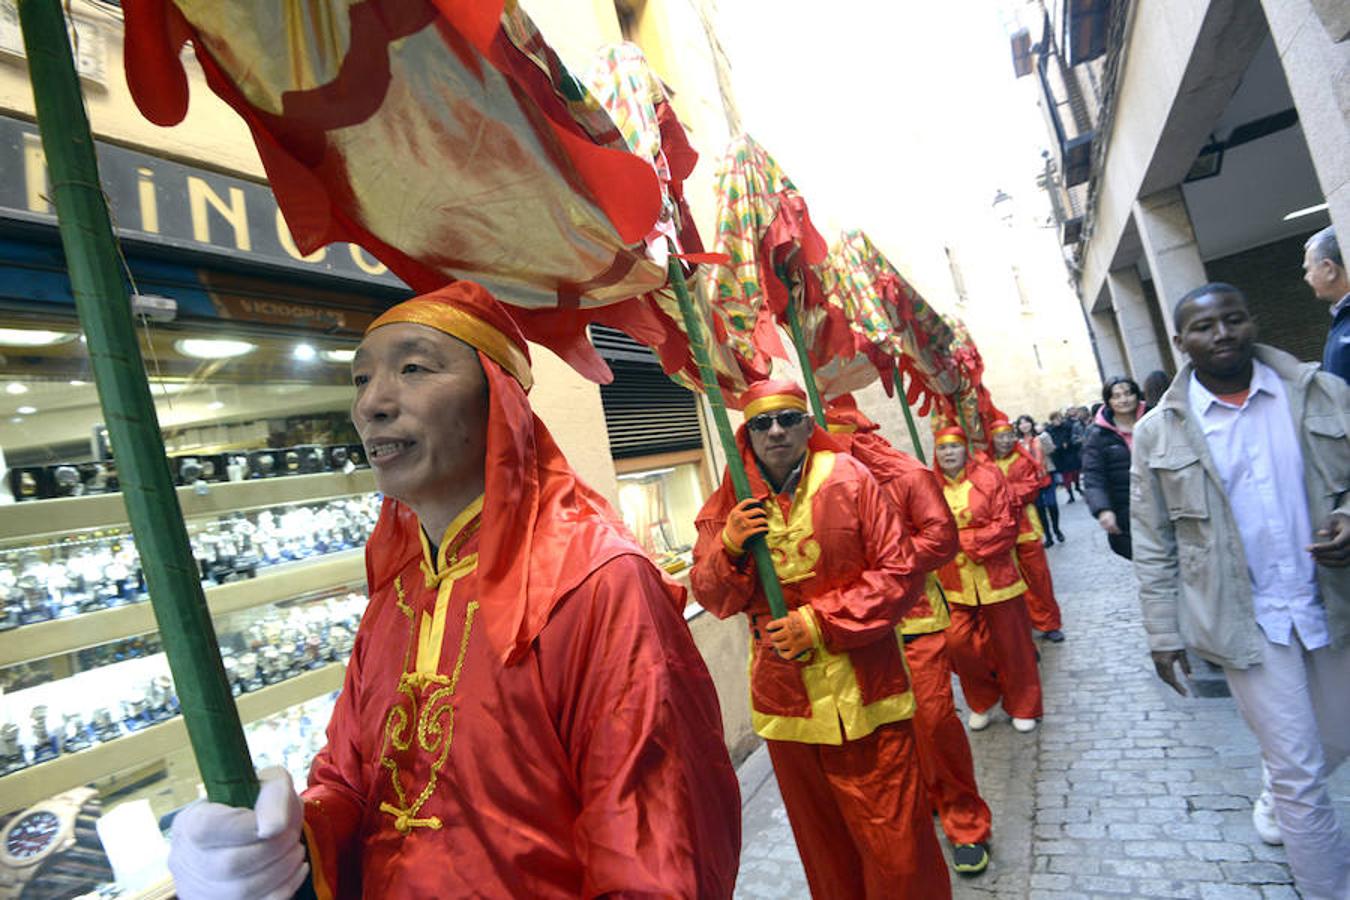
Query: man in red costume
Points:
[524, 713]
[990, 635]
[1025, 479]
[829, 688]
[944, 752]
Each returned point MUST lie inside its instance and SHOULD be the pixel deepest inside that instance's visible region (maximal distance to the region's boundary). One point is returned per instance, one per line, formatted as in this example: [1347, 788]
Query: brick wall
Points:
[1288, 315]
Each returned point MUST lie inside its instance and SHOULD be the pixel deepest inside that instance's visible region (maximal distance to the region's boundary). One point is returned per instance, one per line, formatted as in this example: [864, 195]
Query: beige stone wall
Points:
[724, 645]
[570, 406]
[212, 135]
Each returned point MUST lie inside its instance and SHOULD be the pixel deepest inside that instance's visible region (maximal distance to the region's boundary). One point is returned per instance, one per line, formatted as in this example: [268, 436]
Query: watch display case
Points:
[659, 498]
[278, 503]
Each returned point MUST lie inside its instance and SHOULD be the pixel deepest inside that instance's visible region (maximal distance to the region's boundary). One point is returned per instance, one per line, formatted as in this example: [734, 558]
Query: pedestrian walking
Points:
[990, 636]
[1155, 385]
[1324, 271]
[1067, 457]
[1242, 550]
[1106, 460]
[1026, 480]
[1047, 506]
[944, 750]
[829, 689]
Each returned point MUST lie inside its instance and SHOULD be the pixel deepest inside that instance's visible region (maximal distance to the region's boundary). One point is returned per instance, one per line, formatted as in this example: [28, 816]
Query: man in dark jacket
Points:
[1324, 270]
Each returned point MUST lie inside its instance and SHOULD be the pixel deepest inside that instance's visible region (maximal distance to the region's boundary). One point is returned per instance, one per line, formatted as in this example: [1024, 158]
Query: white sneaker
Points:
[978, 721]
[1024, 725]
[1264, 821]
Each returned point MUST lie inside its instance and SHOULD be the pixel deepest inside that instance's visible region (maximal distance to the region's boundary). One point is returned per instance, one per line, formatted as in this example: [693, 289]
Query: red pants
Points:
[944, 753]
[994, 657]
[861, 818]
[1041, 602]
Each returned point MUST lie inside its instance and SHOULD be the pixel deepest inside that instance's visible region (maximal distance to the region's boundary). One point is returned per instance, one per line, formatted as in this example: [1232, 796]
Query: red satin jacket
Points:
[839, 547]
[1025, 479]
[917, 495]
[985, 570]
[594, 765]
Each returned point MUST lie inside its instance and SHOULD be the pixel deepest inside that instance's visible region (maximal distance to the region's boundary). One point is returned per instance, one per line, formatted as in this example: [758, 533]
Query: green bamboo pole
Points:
[104, 309]
[803, 358]
[909, 415]
[740, 480]
[961, 418]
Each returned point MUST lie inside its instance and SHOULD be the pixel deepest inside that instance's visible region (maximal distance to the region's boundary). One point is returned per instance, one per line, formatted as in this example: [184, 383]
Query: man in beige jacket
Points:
[1241, 527]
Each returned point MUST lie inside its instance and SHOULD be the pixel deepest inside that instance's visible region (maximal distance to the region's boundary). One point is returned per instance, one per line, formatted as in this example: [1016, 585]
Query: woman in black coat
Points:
[1106, 460]
[1067, 456]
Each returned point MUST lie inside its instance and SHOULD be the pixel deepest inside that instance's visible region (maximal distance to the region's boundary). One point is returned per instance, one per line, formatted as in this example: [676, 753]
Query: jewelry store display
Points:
[87, 478]
[259, 648]
[81, 574]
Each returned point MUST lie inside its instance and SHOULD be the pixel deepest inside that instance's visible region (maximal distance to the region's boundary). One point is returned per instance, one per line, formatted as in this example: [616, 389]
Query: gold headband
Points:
[948, 439]
[773, 402]
[997, 428]
[466, 327]
[842, 429]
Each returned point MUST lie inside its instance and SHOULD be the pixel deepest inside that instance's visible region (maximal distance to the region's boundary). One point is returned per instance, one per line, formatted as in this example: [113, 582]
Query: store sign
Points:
[167, 204]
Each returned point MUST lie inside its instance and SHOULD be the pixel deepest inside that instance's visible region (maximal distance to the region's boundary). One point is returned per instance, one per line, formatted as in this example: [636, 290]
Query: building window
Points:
[656, 439]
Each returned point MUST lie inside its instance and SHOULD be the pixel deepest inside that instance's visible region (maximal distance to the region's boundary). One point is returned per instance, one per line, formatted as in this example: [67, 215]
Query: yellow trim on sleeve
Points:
[322, 889]
[937, 620]
[837, 710]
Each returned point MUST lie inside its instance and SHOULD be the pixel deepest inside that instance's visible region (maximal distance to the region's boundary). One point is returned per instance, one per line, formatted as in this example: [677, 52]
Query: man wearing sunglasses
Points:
[829, 689]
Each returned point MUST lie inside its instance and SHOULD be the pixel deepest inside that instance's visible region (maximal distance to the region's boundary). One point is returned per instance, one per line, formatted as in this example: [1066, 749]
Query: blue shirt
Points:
[1336, 354]
[1256, 453]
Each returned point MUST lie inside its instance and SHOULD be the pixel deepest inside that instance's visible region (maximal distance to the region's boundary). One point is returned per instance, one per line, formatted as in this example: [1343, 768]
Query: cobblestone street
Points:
[1126, 790]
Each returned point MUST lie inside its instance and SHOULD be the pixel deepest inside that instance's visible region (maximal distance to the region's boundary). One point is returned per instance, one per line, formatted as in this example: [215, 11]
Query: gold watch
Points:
[52, 849]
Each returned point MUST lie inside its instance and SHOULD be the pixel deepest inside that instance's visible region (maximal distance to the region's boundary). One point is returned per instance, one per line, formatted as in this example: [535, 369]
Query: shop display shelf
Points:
[44, 518]
[273, 584]
[27, 786]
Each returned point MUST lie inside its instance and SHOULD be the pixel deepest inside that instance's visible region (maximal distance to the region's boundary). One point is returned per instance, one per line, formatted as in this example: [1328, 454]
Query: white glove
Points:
[219, 852]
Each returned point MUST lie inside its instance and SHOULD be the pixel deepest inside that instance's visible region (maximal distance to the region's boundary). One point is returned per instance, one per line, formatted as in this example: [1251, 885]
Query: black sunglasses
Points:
[790, 418]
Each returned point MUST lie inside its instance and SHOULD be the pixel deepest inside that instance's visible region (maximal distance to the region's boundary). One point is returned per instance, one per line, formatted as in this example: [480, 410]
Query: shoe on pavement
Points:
[1024, 725]
[970, 859]
[978, 721]
[1264, 821]
[1049, 541]
[1055, 637]
[1059, 536]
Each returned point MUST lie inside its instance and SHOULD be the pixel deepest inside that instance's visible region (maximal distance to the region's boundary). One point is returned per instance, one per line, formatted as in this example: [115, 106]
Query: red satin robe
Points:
[838, 725]
[944, 750]
[593, 766]
[990, 636]
[1025, 480]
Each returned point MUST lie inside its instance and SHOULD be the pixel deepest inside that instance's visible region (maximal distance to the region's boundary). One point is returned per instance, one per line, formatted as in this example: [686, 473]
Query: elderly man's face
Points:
[951, 457]
[779, 447]
[1003, 442]
[421, 412]
[1320, 275]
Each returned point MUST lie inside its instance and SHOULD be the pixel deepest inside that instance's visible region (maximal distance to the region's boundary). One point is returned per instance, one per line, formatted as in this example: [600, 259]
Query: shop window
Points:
[278, 503]
[656, 439]
[659, 498]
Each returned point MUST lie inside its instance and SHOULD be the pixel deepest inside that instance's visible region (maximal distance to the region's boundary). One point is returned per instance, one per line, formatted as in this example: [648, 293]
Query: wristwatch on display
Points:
[52, 849]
